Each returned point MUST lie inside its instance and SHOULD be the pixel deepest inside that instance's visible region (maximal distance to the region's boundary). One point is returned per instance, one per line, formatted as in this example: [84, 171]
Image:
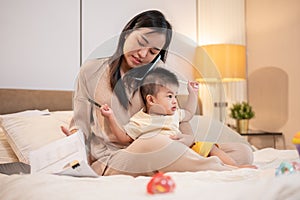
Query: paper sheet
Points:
[56, 157]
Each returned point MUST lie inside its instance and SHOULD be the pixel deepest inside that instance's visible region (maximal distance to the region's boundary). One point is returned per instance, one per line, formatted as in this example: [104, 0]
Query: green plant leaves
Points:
[241, 111]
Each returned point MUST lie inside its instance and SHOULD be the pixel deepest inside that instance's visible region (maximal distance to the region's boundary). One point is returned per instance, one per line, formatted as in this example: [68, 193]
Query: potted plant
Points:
[242, 113]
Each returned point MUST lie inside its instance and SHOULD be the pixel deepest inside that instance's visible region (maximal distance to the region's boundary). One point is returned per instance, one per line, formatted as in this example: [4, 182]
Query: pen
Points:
[72, 164]
[94, 102]
[182, 81]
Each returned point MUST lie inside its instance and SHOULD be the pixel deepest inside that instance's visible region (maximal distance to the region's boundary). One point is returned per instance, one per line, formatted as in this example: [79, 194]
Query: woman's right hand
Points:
[66, 131]
[188, 140]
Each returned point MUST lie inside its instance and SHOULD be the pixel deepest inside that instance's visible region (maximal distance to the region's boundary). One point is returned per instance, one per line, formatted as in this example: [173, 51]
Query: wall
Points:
[103, 20]
[273, 47]
[41, 41]
[39, 44]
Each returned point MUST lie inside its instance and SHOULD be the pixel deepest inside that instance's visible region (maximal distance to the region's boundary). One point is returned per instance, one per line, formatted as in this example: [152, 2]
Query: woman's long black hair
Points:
[153, 19]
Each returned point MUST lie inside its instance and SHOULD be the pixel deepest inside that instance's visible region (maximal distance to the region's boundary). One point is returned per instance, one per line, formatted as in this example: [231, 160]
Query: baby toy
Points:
[160, 183]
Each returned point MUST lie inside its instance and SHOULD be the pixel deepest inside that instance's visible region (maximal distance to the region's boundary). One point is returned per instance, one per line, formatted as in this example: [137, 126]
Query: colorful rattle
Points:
[288, 168]
[160, 183]
[285, 168]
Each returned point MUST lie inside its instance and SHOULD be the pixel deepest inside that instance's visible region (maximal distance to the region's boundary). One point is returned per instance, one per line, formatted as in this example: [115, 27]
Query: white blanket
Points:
[238, 184]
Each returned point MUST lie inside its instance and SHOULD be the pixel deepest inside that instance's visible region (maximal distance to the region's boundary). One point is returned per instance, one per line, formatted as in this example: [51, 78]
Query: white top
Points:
[143, 123]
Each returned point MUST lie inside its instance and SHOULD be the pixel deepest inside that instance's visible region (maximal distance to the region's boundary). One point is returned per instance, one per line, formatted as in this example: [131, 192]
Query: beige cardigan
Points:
[143, 156]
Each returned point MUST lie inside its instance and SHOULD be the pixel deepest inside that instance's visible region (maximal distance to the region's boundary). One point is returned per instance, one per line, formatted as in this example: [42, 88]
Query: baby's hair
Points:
[157, 78]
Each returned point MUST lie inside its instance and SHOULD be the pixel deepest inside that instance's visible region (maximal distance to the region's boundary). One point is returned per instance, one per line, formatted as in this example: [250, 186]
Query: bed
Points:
[32, 118]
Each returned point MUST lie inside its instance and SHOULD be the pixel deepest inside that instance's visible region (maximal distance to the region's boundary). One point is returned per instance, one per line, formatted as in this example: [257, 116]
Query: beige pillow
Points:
[6, 152]
[29, 131]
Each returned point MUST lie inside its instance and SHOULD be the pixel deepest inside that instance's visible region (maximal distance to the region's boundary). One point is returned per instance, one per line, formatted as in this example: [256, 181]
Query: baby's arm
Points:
[120, 134]
[185, 128]
[192, 102]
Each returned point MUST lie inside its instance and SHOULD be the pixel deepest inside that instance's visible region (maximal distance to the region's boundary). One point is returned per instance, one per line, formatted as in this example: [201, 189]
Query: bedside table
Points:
[258, 133]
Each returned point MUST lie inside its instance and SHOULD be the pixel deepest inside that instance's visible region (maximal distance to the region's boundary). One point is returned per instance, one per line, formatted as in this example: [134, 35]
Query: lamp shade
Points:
[225, 62]
[229, 59]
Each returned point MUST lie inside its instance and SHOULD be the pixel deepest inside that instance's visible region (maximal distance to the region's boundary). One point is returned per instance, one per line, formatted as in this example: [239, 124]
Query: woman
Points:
[143, 42]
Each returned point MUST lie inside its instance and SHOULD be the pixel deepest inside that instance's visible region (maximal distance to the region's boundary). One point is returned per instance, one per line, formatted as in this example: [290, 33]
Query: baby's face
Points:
[165, 102]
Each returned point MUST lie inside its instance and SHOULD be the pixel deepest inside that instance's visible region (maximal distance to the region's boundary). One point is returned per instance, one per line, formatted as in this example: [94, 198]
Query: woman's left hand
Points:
[66, 131]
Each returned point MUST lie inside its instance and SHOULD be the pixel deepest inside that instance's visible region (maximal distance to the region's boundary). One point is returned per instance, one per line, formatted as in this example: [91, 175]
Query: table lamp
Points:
[220, 65]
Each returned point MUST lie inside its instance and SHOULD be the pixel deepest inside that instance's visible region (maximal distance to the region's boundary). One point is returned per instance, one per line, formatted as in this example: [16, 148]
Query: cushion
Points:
[6, 152]
[26, 131]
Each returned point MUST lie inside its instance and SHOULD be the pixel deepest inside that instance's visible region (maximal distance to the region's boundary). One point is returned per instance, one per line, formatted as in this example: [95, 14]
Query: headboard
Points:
[16, 100]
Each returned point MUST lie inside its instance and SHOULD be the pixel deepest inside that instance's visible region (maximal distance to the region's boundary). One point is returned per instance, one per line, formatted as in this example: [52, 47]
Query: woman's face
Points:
[141, 46]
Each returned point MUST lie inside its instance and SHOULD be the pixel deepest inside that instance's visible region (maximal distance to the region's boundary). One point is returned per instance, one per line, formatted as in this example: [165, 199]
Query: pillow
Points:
[26, 113]
[30, 130]
[6, 152]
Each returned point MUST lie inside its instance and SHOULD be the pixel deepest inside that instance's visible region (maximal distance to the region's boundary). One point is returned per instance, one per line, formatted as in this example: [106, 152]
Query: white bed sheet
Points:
[238, 184]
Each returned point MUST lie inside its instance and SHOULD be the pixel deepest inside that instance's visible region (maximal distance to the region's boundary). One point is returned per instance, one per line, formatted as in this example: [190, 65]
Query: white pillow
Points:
[29, 131]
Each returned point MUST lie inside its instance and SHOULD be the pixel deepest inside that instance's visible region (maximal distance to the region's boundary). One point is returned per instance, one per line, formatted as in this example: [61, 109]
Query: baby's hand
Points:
[193, 86]
[106, 111]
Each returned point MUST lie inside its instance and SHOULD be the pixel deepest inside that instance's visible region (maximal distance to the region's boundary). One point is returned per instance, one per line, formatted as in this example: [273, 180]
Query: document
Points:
[66, 156]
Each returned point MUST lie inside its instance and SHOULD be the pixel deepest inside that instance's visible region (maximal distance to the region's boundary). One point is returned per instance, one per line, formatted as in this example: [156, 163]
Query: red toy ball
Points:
[160, 183]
